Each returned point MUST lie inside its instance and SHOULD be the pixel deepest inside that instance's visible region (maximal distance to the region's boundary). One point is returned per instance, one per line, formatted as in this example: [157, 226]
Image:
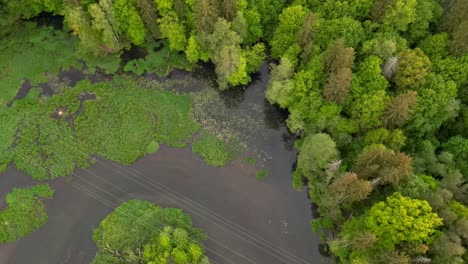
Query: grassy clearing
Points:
[25, 212]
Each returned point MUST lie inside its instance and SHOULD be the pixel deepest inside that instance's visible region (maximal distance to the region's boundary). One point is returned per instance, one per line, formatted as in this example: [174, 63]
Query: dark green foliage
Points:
[141, 232]
[162, 62]
[25, 212]
[250, 161]
[28, 52]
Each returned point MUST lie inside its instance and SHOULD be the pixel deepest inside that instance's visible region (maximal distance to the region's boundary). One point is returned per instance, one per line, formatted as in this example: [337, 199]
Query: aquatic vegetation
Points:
[27, 53]
[215, 151]
[152, 147]
[25, 212]
[261, 174]
[48, 137]
[141, 232]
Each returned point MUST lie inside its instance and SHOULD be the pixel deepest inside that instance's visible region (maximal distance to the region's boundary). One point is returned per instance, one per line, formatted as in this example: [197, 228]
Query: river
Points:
[246, 220]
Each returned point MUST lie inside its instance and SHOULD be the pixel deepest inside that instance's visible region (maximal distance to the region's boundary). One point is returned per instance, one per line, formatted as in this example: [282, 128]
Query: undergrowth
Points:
[160, 59]
[25, 212]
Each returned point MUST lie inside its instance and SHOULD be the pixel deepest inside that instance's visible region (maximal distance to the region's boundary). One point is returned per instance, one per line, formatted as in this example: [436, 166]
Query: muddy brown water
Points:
[246, 220]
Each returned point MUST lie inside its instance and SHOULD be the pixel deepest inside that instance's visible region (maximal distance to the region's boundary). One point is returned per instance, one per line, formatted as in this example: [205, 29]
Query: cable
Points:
[112, 206]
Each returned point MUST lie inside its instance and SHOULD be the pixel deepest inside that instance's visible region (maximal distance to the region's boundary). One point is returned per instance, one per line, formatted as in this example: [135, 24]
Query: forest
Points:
[376, 93]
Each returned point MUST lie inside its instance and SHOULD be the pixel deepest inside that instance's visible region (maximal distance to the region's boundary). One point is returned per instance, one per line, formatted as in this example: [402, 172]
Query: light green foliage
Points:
[25, 212]
[130, 20]
[172, 29]
[435, 46]
[418, 185]
[335, 9]
[194, 51]
[254, 29]
[413, 67]
[315, 154]
[279, 85]
[255, 57]
[214, 150]
[144, 233]
[173, 244]
[368, 109]
[394, 139]
[26, 54]
[290, 22]
[152, 147]
[261, 174]
[105, 24]
[402, 219]
[346, 28]
[395, 14]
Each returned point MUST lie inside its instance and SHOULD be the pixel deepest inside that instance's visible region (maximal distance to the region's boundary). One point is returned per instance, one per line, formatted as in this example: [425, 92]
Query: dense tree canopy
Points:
[140, 232]
[376, 91]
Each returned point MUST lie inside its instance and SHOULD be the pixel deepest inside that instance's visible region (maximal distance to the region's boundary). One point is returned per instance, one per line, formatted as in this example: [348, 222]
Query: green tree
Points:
[172, 29]
[413, 67]
[149, 15]
[383, 166]
[458, 146]
[399, 109]
[279, 85]
[436, 103]
[349, 188]
[315, 154]
[173, 244]
[290, 22]
[350, 30]
[139, 230]
[206, 14]
[337, 56]
[130, 20]
[395, 14]
[338, 84]
[402, 219]
[306, 34]
[427, 11]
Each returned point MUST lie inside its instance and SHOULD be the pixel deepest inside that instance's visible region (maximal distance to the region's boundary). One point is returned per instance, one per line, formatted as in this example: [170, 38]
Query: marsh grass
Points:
[25, 212]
